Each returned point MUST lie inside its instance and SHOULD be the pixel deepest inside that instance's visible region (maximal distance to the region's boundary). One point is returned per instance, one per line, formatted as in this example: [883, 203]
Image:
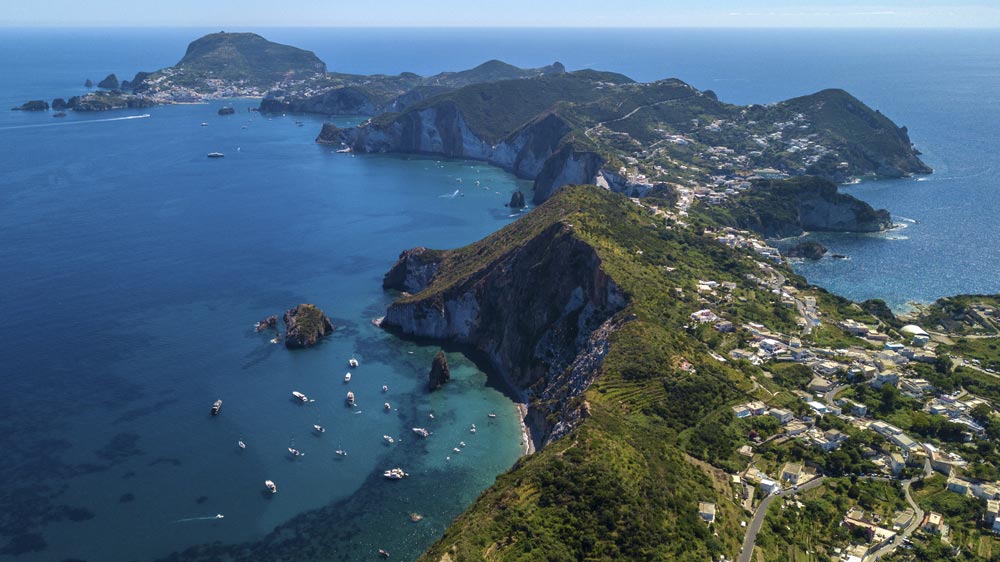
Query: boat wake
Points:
[209, 518]
[64, 123]
[450, 195]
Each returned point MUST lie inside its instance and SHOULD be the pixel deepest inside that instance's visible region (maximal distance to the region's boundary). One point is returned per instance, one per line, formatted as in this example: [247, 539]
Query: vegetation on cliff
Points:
[782, 208]
[621, 484]
[305, 326]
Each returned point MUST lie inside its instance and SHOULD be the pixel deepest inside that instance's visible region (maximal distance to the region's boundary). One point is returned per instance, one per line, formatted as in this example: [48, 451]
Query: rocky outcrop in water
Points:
[88, 83]
[305, 325]
[809, 250]
[227, 111]
[110, 82]
[59, 104]
[269, 322]
[516, 200]
[440, 373]
[540, 312]
[33, 105]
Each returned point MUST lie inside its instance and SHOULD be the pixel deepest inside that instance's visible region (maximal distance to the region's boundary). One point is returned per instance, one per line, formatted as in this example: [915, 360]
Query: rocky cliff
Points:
[783, 208]
[534, 151]
[539, 309]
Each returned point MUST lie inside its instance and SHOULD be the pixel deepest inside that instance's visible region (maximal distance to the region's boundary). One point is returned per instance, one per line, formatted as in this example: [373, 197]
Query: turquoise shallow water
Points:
[133, 269]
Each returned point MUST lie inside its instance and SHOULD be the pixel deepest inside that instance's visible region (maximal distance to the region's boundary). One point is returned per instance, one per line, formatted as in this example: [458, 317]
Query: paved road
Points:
[758, 517]
[831, 396]
[917, 517]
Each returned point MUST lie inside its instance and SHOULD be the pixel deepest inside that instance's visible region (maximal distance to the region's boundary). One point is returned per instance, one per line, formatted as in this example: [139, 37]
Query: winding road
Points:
[917, 517]
[758, 517]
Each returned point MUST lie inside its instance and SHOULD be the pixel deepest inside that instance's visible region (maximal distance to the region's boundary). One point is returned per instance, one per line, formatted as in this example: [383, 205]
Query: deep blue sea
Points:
[133, 268]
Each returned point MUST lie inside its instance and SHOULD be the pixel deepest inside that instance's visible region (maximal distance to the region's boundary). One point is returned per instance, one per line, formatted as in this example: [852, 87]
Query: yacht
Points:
[270, 486]
[350, 398]
[241, 444]
[347, 377]
[385, 388]
[294, 452]
[388, 439]
[341, 452]
[421, 431]
[491, 415]
[394, 474]
[353, 363]
[216, 406]
[215, 155]
[319, 428]
[388, 406]
[300, 397]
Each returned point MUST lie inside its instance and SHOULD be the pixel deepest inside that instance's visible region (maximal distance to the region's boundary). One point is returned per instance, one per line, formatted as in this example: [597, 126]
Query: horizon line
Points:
[499, 27]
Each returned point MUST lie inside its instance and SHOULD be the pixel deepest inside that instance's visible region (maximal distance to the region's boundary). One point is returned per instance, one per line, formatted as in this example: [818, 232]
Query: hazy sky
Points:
[504, 13]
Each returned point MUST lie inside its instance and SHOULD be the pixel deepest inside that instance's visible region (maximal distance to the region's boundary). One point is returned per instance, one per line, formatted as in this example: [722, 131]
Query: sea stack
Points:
[88, 83]
[516, 200]
[439, 371]
[227, 111]
[305, 325]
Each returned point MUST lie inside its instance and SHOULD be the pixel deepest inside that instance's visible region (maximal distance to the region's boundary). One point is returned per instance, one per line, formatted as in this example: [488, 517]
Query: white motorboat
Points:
[294, 452]
[270, 486]
[319, 428]
[347, 377]
[353, 363]
[421, 431]
[241, 444]
[394, 474]
[299, 396]
[388, 439]
[385, 388]
[350, 398]
[388, 406]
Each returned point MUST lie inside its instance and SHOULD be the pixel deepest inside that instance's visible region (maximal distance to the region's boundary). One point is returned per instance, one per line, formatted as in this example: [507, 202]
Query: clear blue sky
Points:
[505, 13]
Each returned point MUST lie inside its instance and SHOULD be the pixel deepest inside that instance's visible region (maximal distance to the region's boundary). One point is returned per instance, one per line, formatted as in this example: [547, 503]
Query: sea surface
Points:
[133, 269]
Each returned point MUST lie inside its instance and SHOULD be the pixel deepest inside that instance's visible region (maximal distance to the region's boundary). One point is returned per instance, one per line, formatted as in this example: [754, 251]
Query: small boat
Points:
[383, 553]
[347, 377]
[270, 486]
[388, 406]
[276, 339]
[344, 150]
[241, 444]
[219, 516]
[319, 428]
[204, 124]
[341, 452]
[385, 388]
[216, 406]
[461, 443]
[353, 363]
[388, 439]
[394, 474]
[491, 415]
[431, 416]
[472, 429]
[215, 155]
[294, 452]
[457, 450]
[350, 398]
[421, 431]
[300, 397]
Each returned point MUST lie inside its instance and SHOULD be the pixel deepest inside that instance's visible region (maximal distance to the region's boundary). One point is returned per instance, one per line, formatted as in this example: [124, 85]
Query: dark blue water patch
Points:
[121, 447]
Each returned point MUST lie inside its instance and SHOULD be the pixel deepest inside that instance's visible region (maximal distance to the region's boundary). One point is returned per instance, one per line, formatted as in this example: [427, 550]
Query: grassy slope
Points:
[618, 487]
[245, 56]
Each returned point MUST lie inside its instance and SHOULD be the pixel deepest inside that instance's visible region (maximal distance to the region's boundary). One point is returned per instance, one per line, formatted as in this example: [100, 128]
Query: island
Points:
[305, 325]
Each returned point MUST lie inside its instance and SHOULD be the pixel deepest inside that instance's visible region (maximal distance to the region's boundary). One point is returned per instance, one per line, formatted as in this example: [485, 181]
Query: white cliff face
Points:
[530, 152]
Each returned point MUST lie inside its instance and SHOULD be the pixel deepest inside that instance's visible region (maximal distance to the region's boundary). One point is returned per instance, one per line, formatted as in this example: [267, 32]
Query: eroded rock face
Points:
[533, 312]
[440, 373]
[305, 325]
[412, 271]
